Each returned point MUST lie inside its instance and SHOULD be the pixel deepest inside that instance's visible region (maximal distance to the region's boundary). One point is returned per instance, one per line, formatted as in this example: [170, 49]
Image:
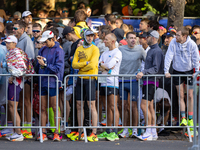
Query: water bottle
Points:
[45, 61]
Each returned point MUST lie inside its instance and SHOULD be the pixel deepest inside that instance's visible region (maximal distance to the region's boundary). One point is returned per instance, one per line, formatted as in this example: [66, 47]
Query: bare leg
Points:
[43, 111]
[113, 109]
[80, 113]
[14, 114]
[145, 110]
[134, 113]
[182, 103]
[94, 114]
[152, 111]
[27, 103]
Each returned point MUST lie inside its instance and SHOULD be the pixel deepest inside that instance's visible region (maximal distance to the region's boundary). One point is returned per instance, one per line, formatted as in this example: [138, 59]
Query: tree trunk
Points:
[175, 12]
[107, 6]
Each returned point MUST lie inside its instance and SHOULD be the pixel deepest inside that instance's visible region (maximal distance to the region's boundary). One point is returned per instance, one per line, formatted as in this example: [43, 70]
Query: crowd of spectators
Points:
[66, 46]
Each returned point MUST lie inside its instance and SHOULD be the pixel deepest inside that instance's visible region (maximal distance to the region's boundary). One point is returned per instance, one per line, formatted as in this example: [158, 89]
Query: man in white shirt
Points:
[110, 64]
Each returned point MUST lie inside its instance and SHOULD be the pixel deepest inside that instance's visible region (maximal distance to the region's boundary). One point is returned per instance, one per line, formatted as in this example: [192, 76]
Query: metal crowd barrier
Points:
[103, 78]
[39, 126]
[196, 144]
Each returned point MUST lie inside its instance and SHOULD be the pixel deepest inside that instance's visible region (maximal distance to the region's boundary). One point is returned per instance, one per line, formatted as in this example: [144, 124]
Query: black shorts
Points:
[151, 90]
[187, 80]
[110, 91]
[86, 89]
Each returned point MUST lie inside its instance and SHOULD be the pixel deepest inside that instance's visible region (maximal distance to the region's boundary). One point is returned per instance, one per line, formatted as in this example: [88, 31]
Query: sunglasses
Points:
[195, 32]
[37, 31]
[65, 11]
[8, 21]
[15, 28]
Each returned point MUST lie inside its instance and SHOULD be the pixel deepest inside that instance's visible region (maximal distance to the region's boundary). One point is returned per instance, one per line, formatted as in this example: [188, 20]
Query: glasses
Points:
[15, 28]
[65, 11]
[37, 31]
[195, 32]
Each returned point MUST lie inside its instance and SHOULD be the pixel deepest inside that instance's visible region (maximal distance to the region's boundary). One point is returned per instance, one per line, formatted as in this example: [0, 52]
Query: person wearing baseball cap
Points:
[27, 17]
[154, 64]
[50, 60]
[86, 59]
[171, 33]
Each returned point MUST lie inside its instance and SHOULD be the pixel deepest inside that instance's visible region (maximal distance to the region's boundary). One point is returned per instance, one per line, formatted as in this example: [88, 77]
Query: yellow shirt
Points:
[84, 55]
[77, 29]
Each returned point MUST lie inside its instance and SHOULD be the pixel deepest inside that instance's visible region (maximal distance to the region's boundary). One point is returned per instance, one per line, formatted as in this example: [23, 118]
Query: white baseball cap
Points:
[46, 35]
[11, 38]
[26, 13]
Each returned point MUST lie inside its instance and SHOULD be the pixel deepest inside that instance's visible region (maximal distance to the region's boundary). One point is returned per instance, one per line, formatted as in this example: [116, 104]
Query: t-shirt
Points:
[160, 95]
[108, 57]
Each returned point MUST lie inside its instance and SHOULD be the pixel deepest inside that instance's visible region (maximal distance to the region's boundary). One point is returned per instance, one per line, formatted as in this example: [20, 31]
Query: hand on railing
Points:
[139, 75]
[167, 75]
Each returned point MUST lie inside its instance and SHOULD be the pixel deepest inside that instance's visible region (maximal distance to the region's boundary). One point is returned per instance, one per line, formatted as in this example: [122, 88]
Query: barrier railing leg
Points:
[189, 134]
[41, 139]
[85, 135]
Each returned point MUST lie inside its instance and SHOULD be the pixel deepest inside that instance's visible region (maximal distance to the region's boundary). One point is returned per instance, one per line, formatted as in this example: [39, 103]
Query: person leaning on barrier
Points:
[109, 63]
[86, 60]
[154, 64]
[50, 61]
[185, 55]
[132, 57]
[16, 61]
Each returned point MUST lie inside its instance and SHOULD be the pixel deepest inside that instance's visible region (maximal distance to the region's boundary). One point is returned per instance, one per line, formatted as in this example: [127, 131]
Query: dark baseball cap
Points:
[170, 34]
[67, 30]
[142, 34]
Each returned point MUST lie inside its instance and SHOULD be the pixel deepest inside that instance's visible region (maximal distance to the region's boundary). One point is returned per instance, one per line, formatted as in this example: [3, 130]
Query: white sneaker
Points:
[124, 134]
[154, 137]
[134, 134]
[16, 137]
[145, 137]
[6, 132]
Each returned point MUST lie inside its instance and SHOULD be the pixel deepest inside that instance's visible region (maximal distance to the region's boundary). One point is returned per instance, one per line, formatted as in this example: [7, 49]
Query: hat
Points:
[60, 30]
[89, 32]
[26, 13]
[142, 35]
[18, 14]
[124, 42]
[67, 30]
[154, 33]
[11, 38]
[170, 34]
[46, 35]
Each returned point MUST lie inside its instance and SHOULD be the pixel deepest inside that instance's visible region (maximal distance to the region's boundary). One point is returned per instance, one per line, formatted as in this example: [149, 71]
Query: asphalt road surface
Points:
[122, 144]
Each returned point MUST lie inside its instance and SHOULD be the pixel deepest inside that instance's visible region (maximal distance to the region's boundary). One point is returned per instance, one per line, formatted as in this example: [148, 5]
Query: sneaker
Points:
[26, 134]
[0, 135]
[102, 135]
[145, 137]
[130, 132]
[124, 134]
[191, 123]
[6, 132]
[71, 134]
[133, 135]
[103, 123]
[82, 137]
[44, 137]
[92, 138]
[16, 137]
[120, 131]
[154, 137]
[56, 137]
[112, 137]
[192, 133]
[75, 137]
[183, 122]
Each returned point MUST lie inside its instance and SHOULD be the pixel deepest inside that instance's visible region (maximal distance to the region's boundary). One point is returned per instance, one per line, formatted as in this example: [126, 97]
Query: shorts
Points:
[151, 90]
[11, 92]
[86, 89]
[110, 90]
[187, 80]
[126, 90]
[69, 92]
[52, 91]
